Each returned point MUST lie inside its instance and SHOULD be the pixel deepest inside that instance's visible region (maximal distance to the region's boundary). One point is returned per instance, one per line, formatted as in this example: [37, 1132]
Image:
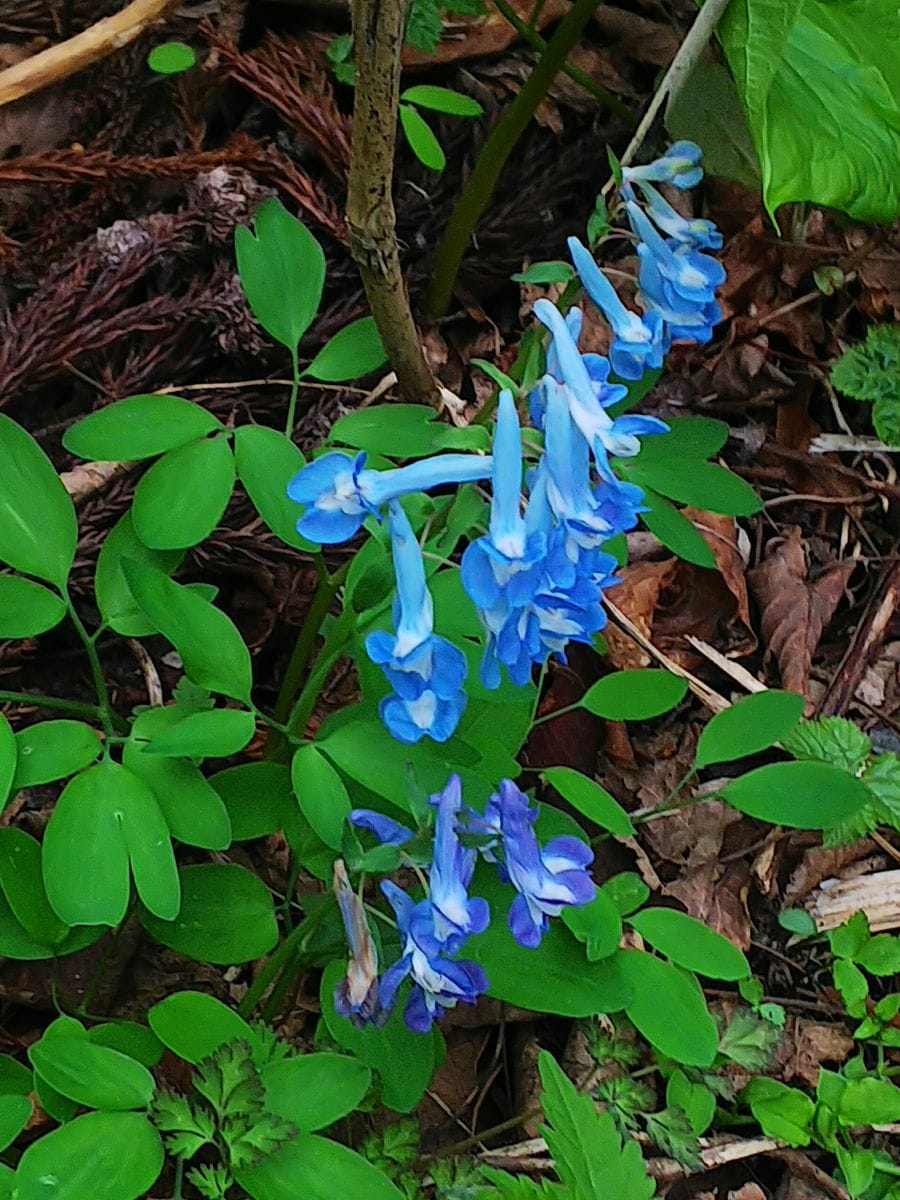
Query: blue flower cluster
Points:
[434, 929]
[538, 574]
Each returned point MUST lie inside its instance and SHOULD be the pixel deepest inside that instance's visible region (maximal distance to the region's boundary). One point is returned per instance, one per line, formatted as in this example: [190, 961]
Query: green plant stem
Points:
[328, 655]
[557, 712]
[295, 388]
[306, 640]
[293, 944]
[477, 193]
[529, 34]
[90, 646]
[91, 712]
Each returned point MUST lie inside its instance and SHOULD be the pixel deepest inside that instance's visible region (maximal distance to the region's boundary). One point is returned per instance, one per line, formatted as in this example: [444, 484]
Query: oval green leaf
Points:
[217, 733]
[22, 882]
[171, 58]
[181, 499]
[92, 1075]
[27, 609]
[15, 1113]
[139, 427]
[700, 484]
[114, 598]
[591, 800]
[668, 1008]
[53, 750]
[634, 695]
[598, 925]
[355, 350]
[321, 794]
[266, 461]
[316, 1169]
[130, 1038]
[800, 795]
[103, 1155]
[192, 809]
[193, 1024]
[315, 1090]
[9, 754]
[257, 797]
[38, 530]
[227, 916]
[422, 141]
[213, 652]
[675, 531]
[690, 944]
[443, 100]
[753, 723]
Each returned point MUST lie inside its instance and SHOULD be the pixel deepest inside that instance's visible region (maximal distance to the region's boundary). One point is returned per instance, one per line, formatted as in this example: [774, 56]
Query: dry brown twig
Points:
[81, 51]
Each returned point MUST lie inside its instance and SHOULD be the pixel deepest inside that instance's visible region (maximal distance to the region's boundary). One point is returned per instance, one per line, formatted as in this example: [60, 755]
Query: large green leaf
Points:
[213, 652]
[316, 1169]
[139, 427]
[53, 750]
[26, 608]
[103, 1155]
[668, 1008]
[282, 272]
[114, 599]
[690, 943]
[9, 754]
[38, 531]
[92, 1075]
[181, 499]
[751, 724]
[355, 350]
[821, 86]
[312, 1091]
[194, 1024]
[23, 886]
[321, 794]
[104, 817]
[266, 462]
[801, 795]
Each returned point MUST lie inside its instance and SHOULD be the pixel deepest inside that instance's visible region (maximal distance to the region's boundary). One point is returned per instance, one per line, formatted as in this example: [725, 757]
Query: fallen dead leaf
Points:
[750, 1191]
[806, 1045]
[820, 863]
[637, 596]
[480, 36]
[795, 609]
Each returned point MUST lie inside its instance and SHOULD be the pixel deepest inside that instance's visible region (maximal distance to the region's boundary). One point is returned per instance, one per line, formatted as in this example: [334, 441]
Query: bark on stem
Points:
[378, 33]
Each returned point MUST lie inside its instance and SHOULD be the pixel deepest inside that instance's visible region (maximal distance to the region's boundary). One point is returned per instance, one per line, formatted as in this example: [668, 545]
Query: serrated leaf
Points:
[833, 740]
[749, 1041]
[869, 371]
[588, 1153]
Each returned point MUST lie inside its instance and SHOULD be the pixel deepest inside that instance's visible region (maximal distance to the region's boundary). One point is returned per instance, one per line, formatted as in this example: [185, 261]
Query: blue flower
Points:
[505, 566]
[547, 880]
[680, 166]
[339, 493]
[603, 434]
[439, 982]
[455, 915]
[695, 232]
[638, 343]
[388, 831]
[357, 997]
[425, 670]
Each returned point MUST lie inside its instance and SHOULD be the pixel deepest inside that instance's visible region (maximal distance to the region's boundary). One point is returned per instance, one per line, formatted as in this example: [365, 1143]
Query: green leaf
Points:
[316, 1169]
[557, 977]
[15, 1077]
[833, 740]
[9, 753]
[708, 108]
[627, 892]
[226, 916]
[869, 1101]
[700, 484]
[92, 1075]
[193, 1025]
[114, 599]
[209, 645]
[23, 886]
[690, 943]
[38, 530]
[103, 818]
[53, 750]
[857, 1167]
[130, 1038]
[404, 431]
[104, 1155]
[192, 808]
[354, 351]
[753, 723]
[591, 800]
[868, 371]
[634, 695]
[266, 461]
[880, 955]
[822, 93]
[494, 373]
[171, 58]
[181, 499]
[688, 438]
[405, 1061]
[675, 531]
[681, 1028]
[588, 1154]
[215, 734]
[321, 794]
[555, 271]
[257, 797]
[695, 1100]
[800, 795]
[847, 940]
[797, 920]
[15, 1113]
[282, 272]
[852, 985]
[443, 100]
[597, 924]
[422, 141]
[313, 1091]
[139, 427]
[27, 609]
[783, 1112]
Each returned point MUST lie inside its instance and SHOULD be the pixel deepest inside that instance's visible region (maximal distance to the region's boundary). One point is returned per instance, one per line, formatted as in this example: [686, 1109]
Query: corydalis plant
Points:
[537, 575]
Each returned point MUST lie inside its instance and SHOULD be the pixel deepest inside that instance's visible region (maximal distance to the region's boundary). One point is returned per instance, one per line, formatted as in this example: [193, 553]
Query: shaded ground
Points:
[119, 193]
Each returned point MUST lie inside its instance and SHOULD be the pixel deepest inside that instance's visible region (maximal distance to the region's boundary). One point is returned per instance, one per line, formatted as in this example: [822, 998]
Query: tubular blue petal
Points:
[388, 831]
